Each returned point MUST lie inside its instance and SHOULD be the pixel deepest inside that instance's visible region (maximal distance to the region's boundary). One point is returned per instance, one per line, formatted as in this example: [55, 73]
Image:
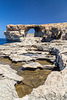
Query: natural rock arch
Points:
[38, 32]
[48, 32]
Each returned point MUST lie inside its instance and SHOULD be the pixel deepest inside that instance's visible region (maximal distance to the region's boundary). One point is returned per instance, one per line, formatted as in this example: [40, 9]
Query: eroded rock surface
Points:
[47, 31]
[6, 71]
[35, 65]
[32, 49]
[32, 65]
[7, 89]
[59, 48]
[54, 51]
[8, 78]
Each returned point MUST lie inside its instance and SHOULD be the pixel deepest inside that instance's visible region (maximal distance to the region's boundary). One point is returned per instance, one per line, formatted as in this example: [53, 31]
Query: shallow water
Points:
[32, 79]
[44, 62]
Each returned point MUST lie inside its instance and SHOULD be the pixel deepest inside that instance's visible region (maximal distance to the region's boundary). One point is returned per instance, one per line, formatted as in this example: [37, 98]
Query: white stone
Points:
[8, 78]
[6, 71]
[7, 89]
[32, 65]
[16, 57]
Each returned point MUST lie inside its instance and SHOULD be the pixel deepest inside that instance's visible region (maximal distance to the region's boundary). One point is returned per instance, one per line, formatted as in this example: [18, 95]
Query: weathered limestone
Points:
[59, 48]
[47, 31]
[26, 52]
[30, 49]
[8, 78]
[7, 89]
[22, 58]
[12, 35]
[55, 87]
[7, 72]
[36, 65]
[32, 65]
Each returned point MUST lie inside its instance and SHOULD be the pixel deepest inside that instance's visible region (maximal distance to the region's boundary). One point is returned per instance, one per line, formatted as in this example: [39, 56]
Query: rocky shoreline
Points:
[28, 51]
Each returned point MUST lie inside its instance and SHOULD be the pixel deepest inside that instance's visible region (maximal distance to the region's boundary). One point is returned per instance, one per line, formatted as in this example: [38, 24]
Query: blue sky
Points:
[31, 12]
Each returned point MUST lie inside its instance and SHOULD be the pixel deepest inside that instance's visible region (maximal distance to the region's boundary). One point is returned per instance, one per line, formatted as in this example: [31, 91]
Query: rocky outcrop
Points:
[55, 51]
[47, 31]
[8, 78]
[28, 50]
[59, 49]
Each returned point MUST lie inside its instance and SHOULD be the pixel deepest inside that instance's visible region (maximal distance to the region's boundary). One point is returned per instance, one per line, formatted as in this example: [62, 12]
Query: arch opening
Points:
[33, 32]
[30, 32]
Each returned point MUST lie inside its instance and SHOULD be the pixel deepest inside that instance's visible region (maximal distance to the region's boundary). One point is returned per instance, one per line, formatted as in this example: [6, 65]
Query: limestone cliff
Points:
[47, 31]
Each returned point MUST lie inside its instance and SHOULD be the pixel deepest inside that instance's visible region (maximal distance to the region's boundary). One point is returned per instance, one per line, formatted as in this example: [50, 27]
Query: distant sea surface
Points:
[3, 41]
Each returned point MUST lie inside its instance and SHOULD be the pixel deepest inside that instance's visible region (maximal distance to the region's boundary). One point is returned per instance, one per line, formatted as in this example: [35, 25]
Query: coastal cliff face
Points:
[48, 32]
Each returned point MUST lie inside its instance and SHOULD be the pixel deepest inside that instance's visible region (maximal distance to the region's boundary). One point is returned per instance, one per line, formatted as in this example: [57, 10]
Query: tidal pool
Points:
[32, 78]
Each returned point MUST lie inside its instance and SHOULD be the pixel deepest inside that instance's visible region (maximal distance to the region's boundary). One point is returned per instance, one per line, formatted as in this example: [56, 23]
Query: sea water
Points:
[4, 41]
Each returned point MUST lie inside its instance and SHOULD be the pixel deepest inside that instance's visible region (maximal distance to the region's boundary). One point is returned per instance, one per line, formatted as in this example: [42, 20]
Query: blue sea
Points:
[3, 41]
